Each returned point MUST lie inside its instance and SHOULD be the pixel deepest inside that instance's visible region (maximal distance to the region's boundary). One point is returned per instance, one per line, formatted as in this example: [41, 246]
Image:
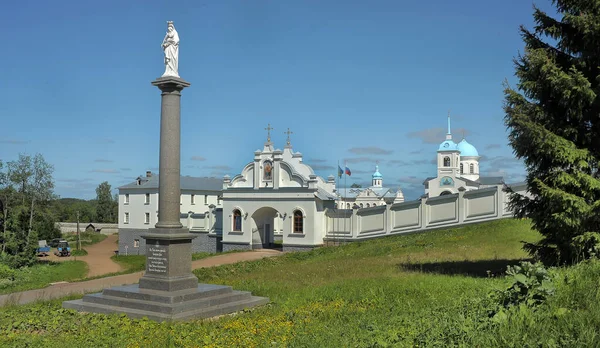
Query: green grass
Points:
[80, 252]
[130, 263]
[427, 289]
[87, 238]
[42, 274]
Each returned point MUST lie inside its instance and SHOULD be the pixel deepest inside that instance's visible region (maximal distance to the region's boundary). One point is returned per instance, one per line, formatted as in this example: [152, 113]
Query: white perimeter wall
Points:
[449, 210]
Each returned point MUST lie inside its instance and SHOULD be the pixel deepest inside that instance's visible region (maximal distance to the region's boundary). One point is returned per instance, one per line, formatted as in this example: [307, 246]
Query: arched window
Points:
[446, 161]
[237, 220]
[472, 168]
[368, 205]
[461, 168]
[347, 205]
[298, 222]
[361, 205]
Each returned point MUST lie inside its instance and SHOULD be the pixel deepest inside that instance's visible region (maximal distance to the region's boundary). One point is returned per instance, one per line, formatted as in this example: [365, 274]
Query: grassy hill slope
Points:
[428, 289]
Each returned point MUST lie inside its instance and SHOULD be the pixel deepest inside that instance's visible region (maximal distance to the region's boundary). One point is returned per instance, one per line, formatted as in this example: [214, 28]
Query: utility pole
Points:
[78, 237]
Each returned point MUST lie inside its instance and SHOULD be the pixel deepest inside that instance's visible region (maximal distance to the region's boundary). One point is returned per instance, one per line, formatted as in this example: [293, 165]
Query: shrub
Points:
[7, 272]
[531, 286]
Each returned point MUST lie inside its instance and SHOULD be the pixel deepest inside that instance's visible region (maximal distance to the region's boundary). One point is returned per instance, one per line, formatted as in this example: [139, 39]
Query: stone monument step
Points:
[167, 308]
[204, 313]
[223, 309]
[134, 292]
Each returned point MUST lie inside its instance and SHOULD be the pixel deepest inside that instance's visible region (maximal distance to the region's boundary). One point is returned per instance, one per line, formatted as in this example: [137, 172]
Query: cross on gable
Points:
[288, 135]
[269, 129]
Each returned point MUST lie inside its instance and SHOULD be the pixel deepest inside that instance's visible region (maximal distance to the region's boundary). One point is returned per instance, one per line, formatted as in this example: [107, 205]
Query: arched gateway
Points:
[263, 224]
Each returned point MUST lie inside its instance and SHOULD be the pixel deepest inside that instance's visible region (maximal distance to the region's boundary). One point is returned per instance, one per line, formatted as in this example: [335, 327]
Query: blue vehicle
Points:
[63, 249]
[43, 249]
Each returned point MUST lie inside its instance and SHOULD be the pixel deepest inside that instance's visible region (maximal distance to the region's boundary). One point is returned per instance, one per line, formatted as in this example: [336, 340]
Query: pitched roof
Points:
[352, 192]
[491, 180]
[186, 183]
[324, 195]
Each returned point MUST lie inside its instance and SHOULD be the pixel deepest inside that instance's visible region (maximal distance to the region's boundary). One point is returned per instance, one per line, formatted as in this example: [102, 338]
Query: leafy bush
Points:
[587, 245]
[7, 272]
[531, 286]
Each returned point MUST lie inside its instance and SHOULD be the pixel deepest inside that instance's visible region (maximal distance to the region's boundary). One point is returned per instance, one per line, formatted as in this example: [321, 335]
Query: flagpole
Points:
[345, 188]
[337, 178]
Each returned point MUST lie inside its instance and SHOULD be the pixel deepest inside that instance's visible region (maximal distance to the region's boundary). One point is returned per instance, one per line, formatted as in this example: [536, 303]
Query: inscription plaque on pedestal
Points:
[157, 259]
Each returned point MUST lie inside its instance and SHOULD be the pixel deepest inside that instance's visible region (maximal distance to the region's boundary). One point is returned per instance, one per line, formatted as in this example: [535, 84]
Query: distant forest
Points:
[65, 210]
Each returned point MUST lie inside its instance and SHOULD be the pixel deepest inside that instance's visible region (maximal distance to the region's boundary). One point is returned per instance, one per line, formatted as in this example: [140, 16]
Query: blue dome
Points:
[448, 145]
[467, 149]
[377, 174]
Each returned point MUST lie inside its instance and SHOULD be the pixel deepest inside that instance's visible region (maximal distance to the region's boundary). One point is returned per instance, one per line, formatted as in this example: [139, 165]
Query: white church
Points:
[457, 169]
[372, 196]
[276, 197]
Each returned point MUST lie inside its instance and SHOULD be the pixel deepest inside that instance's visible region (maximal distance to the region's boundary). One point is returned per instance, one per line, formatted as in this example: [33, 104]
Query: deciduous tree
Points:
[104, 203]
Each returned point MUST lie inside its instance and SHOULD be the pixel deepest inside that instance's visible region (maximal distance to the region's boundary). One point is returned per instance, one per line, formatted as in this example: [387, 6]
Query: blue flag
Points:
[340, 171]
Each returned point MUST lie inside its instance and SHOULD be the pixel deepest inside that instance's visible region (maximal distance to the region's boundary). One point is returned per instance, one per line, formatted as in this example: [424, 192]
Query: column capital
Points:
[170, 83]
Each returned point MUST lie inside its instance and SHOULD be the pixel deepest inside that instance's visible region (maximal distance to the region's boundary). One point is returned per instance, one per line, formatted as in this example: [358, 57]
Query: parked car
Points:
[54, 243]
[63, 249]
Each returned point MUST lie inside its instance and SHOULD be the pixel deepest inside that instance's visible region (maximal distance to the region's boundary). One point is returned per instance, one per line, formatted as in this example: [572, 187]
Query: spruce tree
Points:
[553, 118]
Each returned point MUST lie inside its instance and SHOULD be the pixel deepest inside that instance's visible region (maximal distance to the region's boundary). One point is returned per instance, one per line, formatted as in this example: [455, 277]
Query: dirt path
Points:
[65, 289]
[98, 257]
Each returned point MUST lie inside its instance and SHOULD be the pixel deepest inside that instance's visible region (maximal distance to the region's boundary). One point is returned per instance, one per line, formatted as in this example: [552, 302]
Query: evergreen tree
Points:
[553, 117]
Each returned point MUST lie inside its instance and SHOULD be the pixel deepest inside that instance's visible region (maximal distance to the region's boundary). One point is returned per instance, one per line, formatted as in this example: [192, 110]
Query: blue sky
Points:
[356, 81]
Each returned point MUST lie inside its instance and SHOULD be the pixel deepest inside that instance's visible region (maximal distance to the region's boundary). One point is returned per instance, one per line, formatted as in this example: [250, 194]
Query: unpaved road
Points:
[98, 257]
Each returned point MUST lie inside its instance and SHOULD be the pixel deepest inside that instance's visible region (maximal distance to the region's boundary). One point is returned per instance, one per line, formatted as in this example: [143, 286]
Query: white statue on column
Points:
[170, 45]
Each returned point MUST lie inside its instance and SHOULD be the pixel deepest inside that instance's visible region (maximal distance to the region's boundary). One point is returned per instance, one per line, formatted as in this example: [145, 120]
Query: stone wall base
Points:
[233, 247]
[299, 247]
[208, 243]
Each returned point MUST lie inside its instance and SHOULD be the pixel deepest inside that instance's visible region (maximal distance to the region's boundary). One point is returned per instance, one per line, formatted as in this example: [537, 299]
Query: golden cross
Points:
[288, 135]
[269, 129]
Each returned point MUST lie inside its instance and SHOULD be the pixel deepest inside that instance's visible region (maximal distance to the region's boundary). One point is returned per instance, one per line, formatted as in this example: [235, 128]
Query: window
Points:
[472, 168]
[193, 199]
[205, 199]
[368, 205]
[268, 170]
[219, 200]
[237, 220]
[361, 205]
[147, 199]
[347, 205]
[127, 198]
[136, 243]
[298, 222]
[461, 168]
[126, 218]
[146, 218]
[446, 161]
